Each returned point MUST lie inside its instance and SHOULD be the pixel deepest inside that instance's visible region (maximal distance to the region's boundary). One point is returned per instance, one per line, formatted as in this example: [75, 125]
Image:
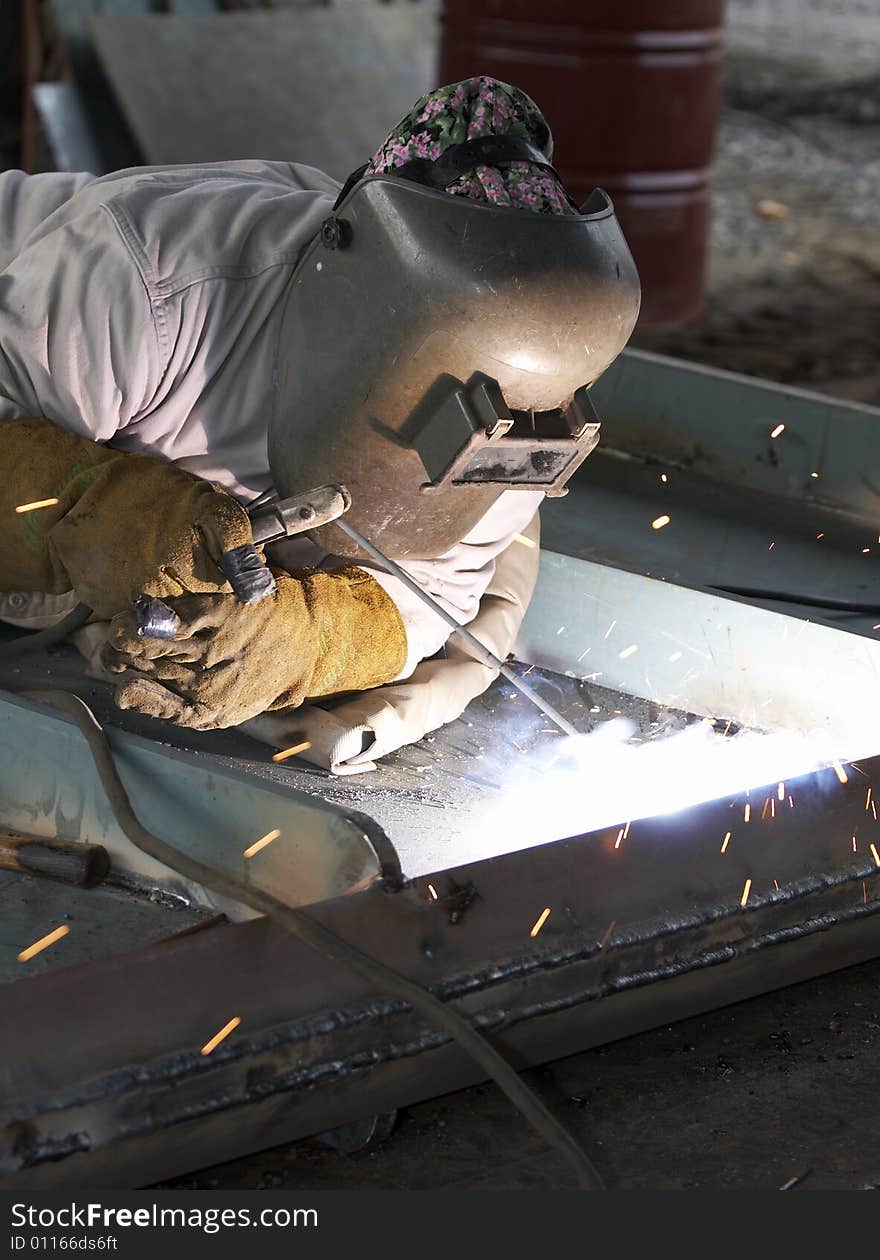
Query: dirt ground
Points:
[778, 1088]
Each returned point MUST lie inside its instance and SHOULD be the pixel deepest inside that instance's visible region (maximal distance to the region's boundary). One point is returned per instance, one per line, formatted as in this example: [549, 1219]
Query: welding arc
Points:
[483, 653]
[321, 939]
[809, 601]
[37, 640]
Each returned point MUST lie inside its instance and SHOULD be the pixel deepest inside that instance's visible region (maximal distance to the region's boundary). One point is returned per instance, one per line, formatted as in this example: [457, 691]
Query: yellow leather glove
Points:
[123, 524]
[319, 634]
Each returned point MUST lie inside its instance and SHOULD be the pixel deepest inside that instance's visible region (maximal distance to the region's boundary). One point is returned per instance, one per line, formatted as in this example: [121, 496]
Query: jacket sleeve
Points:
[352, 737]
[79, 341]
[27, 201]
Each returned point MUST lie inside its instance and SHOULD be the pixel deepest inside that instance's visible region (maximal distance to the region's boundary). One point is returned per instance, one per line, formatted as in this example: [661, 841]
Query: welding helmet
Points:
[437, 351]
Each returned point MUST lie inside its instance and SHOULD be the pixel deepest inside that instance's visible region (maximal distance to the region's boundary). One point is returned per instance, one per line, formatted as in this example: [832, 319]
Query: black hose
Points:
[36, 641]
[320, 938]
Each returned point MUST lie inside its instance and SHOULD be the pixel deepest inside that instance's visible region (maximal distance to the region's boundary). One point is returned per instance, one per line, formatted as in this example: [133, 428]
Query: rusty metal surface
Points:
[647, 931]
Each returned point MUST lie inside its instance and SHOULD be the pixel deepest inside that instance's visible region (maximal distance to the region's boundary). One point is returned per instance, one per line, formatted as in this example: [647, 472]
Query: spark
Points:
[868, 800]
[610, 928]
[780, 791]
[877, 627]
[528, 671]
[676, 656]
[583, 654]
[865, 550]
[746, 890]
[619, 838]
[818, 536]
[38, 503]
[791, 801]
[664, 478]
[610, 628]
[626, 829]
[560, 630]
[764, 809]
[855, 850]
[261, 844]
[874, 810]
[627, 651]
[840, 772]
[221, 1035]
[43, 943]
[778, 431]
[292, 752]
[772, 808]
[875, 855]
[660, 521]
[541, 920]
[526, 542]
[776, 885]
[725, 842]
[814, 474]
[433, 891]
[747, 812]
[772, 545]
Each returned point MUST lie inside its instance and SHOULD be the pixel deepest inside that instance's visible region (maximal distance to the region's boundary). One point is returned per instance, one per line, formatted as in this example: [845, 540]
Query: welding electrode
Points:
[483, 653]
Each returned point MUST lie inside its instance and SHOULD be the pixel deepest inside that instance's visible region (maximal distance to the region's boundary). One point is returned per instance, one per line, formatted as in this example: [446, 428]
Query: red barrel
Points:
[631, 91]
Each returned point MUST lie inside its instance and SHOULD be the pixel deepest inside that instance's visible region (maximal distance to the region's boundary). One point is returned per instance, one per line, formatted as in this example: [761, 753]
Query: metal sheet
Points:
[49, 787]
[647, 931]
[320, 85]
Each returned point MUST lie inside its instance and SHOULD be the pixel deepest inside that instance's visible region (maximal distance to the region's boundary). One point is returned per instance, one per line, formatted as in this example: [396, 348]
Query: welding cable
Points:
[324, 941]
[808, 601]
[37, 640]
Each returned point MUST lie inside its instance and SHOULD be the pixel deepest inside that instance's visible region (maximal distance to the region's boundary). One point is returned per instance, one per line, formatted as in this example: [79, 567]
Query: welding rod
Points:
[483, 653]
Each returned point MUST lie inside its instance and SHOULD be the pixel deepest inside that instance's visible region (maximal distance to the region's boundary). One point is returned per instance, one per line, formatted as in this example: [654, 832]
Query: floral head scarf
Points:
[471, 110]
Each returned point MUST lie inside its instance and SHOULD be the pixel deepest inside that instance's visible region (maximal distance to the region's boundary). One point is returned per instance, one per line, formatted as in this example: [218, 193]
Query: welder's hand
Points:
[354, 735]
[318, 634]
[121, 524]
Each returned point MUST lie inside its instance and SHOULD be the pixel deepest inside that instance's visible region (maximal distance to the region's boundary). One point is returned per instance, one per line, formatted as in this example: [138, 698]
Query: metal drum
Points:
[631, 92]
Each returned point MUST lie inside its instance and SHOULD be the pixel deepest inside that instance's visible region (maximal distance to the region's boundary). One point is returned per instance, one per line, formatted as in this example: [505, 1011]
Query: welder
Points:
[178, 344]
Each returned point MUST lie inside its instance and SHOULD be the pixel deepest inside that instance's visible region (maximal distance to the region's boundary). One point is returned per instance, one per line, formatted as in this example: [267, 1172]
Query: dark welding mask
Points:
[437, 351]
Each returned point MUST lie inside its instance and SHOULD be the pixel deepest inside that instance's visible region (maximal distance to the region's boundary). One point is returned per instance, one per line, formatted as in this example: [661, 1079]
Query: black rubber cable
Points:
[320, 938]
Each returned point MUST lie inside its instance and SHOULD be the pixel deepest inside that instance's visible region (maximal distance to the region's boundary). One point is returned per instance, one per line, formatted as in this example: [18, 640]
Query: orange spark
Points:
[608, 931]
[292, 752]
[660, 521]
[725, 842]
[38, 503]
[261, 844]
[221, 1035]
[875, 855]
[776, 884]
[43, 943]
[747, 812]
[868, 800]
[541, 920]
[433, 891]
[746, 890]
[840, 772]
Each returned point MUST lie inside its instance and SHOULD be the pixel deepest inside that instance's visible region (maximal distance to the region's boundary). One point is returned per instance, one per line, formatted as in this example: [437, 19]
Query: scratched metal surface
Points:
[425, 796]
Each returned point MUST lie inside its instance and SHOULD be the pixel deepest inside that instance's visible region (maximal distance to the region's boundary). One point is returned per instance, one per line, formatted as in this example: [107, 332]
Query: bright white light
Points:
[586, 782]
